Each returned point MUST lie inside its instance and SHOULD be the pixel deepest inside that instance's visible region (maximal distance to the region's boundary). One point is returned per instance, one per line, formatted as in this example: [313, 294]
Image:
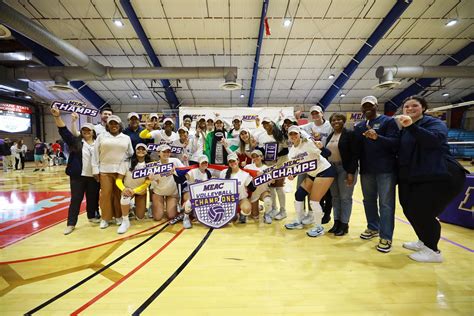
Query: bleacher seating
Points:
[460, 135]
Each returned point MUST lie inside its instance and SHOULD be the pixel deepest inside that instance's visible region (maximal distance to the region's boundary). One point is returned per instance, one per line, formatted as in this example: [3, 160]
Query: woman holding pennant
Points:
[316, 183]
[133, 188]
[79, 170]
[165, 190]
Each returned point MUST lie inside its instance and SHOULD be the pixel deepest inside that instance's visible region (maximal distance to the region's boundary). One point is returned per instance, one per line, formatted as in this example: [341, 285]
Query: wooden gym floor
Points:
[252, 269]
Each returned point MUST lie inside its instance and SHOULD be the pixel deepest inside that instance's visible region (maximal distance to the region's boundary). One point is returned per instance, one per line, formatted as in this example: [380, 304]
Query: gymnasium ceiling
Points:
[296, 61]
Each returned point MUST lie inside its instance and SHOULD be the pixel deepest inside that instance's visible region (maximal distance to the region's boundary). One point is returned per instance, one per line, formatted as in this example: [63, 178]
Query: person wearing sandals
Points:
[79, 170]
[316, 182]
[110, 150]
[244, 185]
[133, 188]
[342, 146]
[429, 177]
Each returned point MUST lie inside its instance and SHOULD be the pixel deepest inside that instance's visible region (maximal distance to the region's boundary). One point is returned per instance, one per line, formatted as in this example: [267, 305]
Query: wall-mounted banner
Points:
[214, 201]
[174, 149]
[289, 168]
[75, 107]
[271, 151]
[152, 168]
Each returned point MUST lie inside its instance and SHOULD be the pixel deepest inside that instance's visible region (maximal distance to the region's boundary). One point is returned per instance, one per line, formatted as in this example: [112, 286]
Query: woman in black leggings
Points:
[429, 178]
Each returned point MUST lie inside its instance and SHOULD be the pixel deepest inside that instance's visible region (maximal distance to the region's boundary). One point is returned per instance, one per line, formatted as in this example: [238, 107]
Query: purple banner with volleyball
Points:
[214, 201]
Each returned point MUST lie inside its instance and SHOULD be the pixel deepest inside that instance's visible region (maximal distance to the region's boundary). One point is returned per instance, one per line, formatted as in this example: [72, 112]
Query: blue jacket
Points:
[423, 151]
[377, 156]
[74, 162]
[134, 136]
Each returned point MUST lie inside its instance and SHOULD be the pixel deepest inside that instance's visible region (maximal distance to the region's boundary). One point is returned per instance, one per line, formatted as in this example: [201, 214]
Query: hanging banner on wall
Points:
[248, 115]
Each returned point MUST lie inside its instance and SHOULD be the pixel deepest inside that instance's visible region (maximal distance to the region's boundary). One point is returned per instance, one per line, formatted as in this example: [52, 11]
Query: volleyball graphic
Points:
[216, 213]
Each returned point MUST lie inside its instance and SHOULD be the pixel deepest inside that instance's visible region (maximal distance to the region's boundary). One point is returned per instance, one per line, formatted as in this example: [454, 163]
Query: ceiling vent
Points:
[387, 85]
[230, 83]
[4, 32]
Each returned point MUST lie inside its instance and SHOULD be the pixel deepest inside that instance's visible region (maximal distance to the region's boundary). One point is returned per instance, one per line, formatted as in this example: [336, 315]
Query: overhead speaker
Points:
[61, 88]
[387, 85]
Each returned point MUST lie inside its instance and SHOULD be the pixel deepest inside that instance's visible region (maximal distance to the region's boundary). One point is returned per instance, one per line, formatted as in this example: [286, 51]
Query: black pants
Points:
[423, 202]
[79, 187]
[22, 160]
[326, 204]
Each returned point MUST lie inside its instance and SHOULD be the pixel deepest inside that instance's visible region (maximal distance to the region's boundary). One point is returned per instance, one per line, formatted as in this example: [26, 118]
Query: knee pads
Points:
[125, 200]
[300, 194]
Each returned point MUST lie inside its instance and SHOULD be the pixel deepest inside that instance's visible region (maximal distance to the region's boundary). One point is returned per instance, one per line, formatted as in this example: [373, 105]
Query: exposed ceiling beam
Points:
[389, 20]
[257, 53]
[171, 97]
[48, 58]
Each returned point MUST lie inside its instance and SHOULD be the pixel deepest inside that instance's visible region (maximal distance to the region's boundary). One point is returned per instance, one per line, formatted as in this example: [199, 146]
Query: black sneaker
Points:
[35, 170]
[369, 234]
[42, 169]
[384, 245]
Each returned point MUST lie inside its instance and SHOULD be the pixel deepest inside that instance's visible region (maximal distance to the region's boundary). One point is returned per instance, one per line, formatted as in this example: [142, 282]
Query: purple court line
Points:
[443, 238]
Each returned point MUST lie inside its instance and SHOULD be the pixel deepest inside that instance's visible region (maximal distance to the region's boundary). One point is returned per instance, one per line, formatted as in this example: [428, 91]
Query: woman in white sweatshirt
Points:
[110, 150]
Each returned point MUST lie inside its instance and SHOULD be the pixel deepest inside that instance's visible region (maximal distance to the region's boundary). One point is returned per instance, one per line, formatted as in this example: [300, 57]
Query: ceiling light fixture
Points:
[331, 76]
[135, 96]
[342, 95]
[28, 97]
[286, 22]
[118, 23]
[445, 94]
[242, 95]
[451, 22]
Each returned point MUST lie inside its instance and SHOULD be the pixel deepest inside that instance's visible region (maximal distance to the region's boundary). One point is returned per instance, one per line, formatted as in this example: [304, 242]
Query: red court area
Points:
[23, 214]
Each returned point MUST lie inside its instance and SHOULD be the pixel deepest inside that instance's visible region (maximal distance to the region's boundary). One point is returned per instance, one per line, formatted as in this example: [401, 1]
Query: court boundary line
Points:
[73, 287]
[441, 237]
[125, 277]
[160, 290]
[80, 249]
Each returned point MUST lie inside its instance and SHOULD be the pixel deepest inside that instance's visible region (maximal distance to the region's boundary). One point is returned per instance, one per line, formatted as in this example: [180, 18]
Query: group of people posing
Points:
[409, 150]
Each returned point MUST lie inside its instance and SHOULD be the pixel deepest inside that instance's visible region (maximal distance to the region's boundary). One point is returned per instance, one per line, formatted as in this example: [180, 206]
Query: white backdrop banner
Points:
[247, 114]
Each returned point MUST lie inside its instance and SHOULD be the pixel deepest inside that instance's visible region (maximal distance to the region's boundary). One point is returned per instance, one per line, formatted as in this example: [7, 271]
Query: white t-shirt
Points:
[312, 152]
[160, 137]
[99, 129]
[195, 175]
[164, 184]
[110, 151]
[128, 181]
[243, 179]
[186, 151]
[261, 188]
[87, 152]
[324, 130]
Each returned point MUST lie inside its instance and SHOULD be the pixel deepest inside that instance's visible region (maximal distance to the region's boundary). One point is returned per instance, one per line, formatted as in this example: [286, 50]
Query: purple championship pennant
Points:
[152, 168]
[289, 168]
[214, 201]
[174, 149]
[75, 107]
[271, 151]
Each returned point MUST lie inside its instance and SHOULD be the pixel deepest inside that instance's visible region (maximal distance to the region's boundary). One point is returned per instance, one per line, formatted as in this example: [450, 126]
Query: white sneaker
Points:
[94, 220]
[187, 222]
[308, 219]
[316, 231]
[124, 227]
[281, 215]
[273, 212]
[294, 225]
[427, 255]
[414, 245]
[103, 224]
[267, 218]
[119, 221]
[68, 230]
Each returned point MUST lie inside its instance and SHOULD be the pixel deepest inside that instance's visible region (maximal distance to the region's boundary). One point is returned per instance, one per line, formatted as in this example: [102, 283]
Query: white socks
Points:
[274, 196]
[317, 211]
[281, 198]
[299, 208]
[267, 204]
